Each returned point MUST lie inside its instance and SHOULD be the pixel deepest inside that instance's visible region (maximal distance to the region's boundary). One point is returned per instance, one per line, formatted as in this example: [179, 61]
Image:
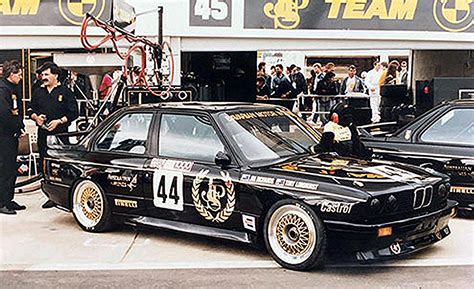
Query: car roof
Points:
[204, 106]
[461, 102]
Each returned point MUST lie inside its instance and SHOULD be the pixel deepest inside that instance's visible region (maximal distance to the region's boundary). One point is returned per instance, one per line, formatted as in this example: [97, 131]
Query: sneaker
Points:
[7, 211]
[15, 206]
[48, 204]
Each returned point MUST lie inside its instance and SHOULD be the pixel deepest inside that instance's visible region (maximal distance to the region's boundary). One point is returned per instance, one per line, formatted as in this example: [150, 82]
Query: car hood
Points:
[372, 177]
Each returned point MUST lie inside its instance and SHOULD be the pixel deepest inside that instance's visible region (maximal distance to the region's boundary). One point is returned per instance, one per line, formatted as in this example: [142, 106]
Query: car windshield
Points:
[268, 135]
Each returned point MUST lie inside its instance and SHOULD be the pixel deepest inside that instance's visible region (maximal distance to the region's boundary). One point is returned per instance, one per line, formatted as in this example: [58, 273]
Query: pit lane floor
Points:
[49, 241]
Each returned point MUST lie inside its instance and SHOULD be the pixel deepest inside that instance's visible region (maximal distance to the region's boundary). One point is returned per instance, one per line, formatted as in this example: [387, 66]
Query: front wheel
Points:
[90, 207]
[295, 236]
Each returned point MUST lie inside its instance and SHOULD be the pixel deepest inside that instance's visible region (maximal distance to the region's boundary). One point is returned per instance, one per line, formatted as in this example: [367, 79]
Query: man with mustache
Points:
[53, 108]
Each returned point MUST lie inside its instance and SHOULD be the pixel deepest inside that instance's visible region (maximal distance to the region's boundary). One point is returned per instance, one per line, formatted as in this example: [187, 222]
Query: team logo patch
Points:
[217, 203]
[285, 13]
[454, 15]
[74, 10]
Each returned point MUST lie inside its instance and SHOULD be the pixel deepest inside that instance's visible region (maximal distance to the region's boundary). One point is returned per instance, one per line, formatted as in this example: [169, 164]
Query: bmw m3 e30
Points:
[248, 173]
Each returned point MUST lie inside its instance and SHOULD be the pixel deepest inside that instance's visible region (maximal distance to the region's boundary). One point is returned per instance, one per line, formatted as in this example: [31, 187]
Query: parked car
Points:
[246, 173]
[442, 139]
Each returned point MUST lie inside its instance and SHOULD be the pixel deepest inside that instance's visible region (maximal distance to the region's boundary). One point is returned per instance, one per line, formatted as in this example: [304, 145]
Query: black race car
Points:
[247, 173]
[442, 139]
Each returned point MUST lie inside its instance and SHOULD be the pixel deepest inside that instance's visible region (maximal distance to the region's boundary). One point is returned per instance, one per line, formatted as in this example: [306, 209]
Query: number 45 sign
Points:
[210, 12]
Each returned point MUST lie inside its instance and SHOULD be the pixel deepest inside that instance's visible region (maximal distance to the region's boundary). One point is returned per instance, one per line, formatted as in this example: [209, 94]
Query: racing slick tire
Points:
[295, 236]
[90, 207]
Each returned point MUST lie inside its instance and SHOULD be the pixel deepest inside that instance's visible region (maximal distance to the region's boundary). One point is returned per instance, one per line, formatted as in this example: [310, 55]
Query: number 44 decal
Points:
[211, 8]
[168, 190]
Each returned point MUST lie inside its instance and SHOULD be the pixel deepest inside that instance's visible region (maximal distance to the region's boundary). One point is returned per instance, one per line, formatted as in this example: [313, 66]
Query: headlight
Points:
[375, 206]
[392, 203]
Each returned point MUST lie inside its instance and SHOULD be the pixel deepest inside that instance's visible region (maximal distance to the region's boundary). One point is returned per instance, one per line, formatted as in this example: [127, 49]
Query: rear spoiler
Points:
[376, 129]
[58, 140]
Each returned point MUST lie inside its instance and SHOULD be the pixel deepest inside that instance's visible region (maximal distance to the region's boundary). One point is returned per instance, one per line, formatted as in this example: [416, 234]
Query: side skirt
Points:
[192, 228]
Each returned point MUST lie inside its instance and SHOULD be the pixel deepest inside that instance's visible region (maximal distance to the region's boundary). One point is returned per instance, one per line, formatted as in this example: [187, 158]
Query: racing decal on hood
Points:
[210, 203]
[326, 206]
[123, 181]
[394, 173]
[171, 165]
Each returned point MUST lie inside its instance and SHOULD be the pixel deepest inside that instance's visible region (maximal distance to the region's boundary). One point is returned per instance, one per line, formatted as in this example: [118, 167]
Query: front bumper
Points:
[408, 235]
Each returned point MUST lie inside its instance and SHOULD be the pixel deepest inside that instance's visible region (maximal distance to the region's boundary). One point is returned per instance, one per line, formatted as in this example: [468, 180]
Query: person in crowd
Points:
[263, 91]
[391, 75]
[329, 67]
[352, 83]
[11, 128]
[372, 83]
[53, 107]
[262, 72]
[297, 80]
[327, 86]
[318, 75]
[105, 86]
[404, 72]
[281, 86]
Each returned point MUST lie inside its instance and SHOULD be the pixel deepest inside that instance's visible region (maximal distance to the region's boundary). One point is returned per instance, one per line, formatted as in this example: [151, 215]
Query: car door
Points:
[187, 184]
[117, 161]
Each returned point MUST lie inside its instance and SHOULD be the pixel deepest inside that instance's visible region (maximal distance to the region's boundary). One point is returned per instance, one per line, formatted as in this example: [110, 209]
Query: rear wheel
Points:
[295, 236]
[90, 207]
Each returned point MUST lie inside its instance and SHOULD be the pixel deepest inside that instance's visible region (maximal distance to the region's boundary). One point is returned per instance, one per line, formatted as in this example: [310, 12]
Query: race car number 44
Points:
[168, 190]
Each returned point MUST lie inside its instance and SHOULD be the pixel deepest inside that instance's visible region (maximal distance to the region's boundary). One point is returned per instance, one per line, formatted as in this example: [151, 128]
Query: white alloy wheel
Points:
[88, 205]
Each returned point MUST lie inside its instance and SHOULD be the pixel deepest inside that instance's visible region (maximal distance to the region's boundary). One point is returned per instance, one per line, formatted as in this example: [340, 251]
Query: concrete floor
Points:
[48, 240]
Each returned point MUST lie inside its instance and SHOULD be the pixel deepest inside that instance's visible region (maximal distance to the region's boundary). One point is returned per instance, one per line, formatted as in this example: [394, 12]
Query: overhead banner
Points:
[413, 15]
[51, 12]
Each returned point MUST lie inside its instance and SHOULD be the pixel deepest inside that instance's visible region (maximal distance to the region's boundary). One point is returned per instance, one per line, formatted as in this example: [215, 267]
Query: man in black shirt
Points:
[11, 127]
[53, 108]
[263, 92]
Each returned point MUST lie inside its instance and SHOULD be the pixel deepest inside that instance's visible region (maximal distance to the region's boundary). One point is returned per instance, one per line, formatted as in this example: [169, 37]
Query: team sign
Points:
[426, 15]
[51, 12]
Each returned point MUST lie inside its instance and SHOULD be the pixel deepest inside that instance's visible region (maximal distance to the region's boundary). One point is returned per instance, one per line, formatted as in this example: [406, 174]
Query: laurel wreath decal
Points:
[224, 214]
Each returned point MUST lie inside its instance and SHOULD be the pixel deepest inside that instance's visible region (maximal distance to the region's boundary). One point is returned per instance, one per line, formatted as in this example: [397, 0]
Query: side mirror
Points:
[222, 159]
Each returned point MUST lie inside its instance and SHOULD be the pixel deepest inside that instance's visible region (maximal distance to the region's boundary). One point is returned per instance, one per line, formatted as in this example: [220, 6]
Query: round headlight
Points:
[375, 206]
[392, 203]
[442, 191]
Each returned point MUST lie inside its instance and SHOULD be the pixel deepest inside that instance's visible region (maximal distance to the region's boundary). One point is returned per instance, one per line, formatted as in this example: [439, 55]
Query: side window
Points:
[455, 127]
[190, 137]
[129, 134]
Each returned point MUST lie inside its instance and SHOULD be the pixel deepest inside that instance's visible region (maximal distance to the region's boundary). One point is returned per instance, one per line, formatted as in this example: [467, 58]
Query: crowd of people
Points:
[322, 83]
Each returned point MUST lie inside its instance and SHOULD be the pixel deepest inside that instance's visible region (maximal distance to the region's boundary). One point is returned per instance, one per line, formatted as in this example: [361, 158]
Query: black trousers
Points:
[8, 168]
[42, 142]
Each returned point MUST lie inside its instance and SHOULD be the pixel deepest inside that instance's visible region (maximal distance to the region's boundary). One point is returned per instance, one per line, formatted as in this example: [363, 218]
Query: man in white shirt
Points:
[352, 83]
[372, 82]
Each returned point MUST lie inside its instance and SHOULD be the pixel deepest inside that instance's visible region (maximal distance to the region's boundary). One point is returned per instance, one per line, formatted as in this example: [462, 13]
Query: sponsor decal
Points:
[462, 190]
[126, 203]
[463, 171]
[394, 173]
[168, 190]
[172, 165]
[285, 13]
[254, 114]
[335, 207]
[395, 248]
[73, 11]
[54, 173]
[292, 167]
[249, 223]
[19, 7]
[210, 203]
[122, 181]
[306, 186]
[272, 181]
[453, 15]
